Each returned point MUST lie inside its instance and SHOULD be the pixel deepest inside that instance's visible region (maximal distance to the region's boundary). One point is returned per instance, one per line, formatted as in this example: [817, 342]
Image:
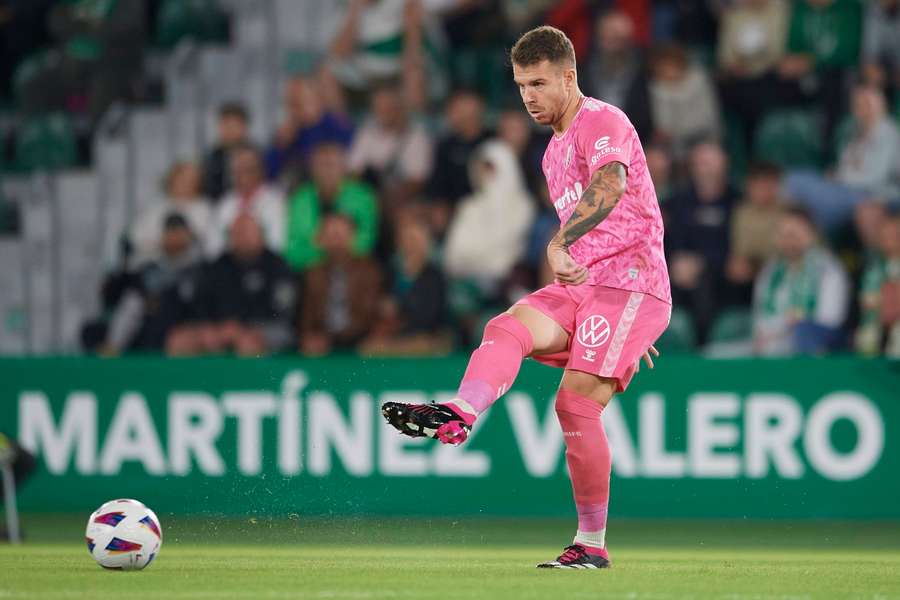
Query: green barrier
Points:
[693, 438]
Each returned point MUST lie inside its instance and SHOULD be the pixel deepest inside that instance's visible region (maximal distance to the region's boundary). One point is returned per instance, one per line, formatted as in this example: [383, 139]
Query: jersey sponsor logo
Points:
[593, 331]
[601, 143]
[603, 148]
[569, 196]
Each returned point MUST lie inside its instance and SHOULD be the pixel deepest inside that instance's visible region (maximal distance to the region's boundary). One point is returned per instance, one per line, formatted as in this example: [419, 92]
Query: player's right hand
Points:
[565, 269]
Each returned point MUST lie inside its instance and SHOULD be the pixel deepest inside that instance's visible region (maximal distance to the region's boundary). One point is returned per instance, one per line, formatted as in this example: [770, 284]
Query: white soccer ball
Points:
[124, 535]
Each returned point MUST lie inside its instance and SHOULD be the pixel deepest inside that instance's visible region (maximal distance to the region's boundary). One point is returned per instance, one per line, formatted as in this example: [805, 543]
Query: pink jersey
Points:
[625, 251]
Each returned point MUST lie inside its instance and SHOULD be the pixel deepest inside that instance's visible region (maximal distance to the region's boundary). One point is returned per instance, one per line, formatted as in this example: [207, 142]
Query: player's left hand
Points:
[565, 269]
[648, 359]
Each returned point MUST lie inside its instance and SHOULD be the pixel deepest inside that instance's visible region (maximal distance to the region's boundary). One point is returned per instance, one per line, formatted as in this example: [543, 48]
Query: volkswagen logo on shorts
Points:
[593, 331]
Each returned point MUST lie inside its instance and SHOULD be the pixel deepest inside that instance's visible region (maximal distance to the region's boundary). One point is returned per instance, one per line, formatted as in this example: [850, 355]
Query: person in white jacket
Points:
[250, 195]
[488, 233]
[182, 197]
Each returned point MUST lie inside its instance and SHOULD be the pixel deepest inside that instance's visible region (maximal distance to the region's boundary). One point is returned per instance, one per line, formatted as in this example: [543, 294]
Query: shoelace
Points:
[423, 408]
[571, 553]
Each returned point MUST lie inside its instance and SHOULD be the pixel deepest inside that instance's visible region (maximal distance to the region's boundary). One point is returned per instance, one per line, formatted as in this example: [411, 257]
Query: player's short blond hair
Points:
[543, 43]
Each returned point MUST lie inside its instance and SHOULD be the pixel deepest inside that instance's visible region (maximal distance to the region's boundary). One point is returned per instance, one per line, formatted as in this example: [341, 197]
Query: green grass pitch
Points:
[208, 558]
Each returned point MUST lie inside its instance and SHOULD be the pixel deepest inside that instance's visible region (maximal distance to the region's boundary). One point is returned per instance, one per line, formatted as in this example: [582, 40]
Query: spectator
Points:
[330, 190]
[182, 197]
[475, 34]
[698, 236]
[574, 18]
[383, 39]
[879, 298]
[161, 296]
[514, 128]
[868, 165]
[616, 67]
[308, 122]
[683, 102]
[341, 293]
[881, 45]
[823, 35]
[823, 45]
[390, 150]
[488, 233]
[101, 47]
[801, 296]
[233, 132]
[752, 42]
[753, 222]
[868, 218]
[659, 163]
[246, 301]
[413, 317]
[250, 195]
[466, 131]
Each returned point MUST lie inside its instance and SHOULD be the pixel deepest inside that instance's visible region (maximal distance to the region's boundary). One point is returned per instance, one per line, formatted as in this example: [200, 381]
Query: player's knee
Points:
[507, 324]
[599, 389]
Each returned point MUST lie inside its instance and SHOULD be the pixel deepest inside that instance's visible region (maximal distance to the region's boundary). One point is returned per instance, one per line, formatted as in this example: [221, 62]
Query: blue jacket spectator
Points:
[308, 123]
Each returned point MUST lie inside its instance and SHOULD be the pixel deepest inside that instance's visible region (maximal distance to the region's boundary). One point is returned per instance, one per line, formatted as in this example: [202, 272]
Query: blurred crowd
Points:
[400, 202]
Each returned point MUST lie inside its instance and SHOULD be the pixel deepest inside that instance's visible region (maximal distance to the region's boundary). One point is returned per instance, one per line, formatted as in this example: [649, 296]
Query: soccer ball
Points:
[123, 535]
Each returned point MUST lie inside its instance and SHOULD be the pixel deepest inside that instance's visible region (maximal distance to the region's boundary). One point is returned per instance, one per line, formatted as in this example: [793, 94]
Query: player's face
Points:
[545, 88]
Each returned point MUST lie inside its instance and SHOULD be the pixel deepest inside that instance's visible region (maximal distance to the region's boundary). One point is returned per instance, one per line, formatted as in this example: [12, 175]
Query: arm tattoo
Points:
[597, 201]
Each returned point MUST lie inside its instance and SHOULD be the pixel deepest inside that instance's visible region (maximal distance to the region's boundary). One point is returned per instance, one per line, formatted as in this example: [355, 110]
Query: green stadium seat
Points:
[201, 20]
[732, 325]
[46, 142]
[791, 138]
[30, 80]
[735, 147]
[681, 336]
[299, 61]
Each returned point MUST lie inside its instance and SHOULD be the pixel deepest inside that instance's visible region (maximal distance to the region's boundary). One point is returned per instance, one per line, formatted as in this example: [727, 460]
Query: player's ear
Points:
[570, 77]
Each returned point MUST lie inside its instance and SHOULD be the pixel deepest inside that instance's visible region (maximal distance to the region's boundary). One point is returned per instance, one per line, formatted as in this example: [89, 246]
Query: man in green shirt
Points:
[330, 190]
[828, 32]
[823, 45]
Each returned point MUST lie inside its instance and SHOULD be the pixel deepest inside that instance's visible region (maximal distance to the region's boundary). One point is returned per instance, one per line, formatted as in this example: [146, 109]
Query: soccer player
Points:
[610, 301]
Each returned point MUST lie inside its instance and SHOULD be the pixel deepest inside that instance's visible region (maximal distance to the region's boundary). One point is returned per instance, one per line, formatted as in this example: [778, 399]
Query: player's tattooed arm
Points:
[598, 200]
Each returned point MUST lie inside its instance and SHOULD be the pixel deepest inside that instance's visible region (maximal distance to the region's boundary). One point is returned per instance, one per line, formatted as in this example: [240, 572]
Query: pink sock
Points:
[493, 366]
[590, 462]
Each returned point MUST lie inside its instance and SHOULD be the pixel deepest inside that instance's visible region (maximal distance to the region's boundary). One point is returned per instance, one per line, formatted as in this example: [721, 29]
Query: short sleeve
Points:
[604, 136]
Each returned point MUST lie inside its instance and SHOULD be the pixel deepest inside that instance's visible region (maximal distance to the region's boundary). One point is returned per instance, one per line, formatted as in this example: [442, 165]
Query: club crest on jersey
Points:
[593, 331]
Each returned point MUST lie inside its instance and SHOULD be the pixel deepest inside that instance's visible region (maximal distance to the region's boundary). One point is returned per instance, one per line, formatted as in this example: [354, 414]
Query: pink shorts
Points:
[609, 329]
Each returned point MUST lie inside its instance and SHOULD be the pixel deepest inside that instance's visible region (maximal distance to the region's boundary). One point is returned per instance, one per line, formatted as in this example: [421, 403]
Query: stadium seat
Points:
[733, 324]
[30, 81]
[299, 61]
[201, 20]
[680, 335]
[9, 216]
[735, 147]
[46, 142]
[790, 138]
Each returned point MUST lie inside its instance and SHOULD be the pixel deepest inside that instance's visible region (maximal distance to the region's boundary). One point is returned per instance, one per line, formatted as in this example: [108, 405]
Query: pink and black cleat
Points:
[576, 556]
[437, 421]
